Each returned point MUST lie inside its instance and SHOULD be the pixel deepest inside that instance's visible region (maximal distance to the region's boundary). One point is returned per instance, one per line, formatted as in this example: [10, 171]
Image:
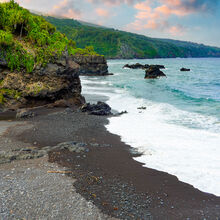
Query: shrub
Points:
[28, 40]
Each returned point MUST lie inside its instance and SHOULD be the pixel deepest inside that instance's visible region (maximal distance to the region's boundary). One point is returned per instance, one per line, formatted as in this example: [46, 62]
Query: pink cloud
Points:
[65, 8]
[167, 10]
[152, 24]
[176, 30]
[102, 12]
[150, 17]
[172, 2]
[143, 6]
[114, 2]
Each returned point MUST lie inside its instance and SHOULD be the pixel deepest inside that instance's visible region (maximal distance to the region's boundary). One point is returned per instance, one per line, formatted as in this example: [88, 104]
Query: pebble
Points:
[39, 195]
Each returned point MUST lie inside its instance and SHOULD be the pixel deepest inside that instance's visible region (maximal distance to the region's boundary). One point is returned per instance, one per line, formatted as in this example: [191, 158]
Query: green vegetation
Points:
[4, 93]
[119, 44]
[28, 40]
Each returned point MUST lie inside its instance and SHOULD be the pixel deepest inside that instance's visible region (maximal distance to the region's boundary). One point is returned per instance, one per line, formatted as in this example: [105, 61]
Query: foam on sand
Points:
[181, 149]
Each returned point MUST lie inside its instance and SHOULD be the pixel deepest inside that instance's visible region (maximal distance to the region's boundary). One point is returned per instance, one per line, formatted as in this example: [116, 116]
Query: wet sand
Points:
[109, 176]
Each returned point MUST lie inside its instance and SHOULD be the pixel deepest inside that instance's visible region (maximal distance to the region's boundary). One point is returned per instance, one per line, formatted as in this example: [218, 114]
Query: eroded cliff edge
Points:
[93, 65]
[38, 64]
[57, 81]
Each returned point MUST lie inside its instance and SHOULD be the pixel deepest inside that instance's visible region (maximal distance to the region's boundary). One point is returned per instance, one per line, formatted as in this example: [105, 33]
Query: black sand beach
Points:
[57, 159]
[107, 174]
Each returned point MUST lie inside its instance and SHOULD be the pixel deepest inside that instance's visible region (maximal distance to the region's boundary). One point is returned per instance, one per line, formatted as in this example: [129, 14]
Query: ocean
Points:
[179, 131]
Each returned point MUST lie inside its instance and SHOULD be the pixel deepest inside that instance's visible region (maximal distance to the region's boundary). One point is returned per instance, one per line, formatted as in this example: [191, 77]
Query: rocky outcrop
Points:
[141, 66]
[184, 69]
[136, 66]
[100, 108]
[56, 81]
[158, 66]
[142, 108]
[153, 72]
[92, 65]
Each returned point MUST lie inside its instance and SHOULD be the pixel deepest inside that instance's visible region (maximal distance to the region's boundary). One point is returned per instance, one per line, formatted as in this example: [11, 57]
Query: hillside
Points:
[38, 64]
[119, 44]
[27, 40]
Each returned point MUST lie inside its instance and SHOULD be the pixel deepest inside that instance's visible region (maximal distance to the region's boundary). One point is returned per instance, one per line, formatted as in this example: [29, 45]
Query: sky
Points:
[191, 20]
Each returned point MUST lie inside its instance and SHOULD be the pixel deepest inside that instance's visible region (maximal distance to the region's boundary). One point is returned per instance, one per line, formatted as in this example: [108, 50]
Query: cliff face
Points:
[91, 65]
[38, 64]
[56, 81]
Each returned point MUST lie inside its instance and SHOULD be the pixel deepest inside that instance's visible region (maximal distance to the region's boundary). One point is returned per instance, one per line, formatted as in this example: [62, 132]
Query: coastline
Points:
[126, 189]
[178, 132]
[65, 154]
[148, 58]
[108, 175]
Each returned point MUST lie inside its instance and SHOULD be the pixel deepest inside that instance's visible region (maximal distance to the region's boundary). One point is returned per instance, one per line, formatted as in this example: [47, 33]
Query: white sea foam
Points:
[181, 143]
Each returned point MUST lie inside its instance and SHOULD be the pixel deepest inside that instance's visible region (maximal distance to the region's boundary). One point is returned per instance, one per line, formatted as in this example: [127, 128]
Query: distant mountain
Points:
[120, 44]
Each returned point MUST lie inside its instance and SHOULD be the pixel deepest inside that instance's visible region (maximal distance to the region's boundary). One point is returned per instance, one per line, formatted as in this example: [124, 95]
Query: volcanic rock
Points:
[140, 66]
[100, 108]
[92, 65]
[136, 66]
[184, 69]
[58, 80]
[153, 73]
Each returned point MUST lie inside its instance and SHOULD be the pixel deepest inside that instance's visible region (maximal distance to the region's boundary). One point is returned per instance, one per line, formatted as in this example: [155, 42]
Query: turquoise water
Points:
[194, 91]
[179, 132]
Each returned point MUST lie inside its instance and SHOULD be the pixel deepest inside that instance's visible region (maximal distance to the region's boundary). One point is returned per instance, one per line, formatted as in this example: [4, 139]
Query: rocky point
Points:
[56, 81]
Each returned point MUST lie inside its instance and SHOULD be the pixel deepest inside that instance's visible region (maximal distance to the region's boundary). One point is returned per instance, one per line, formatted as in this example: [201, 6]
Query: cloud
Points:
[149, 17]
[177, 30]
[200, 5]
[102, 12]
[66, 8]
[155, 14]
[192, 6]
[114, 2]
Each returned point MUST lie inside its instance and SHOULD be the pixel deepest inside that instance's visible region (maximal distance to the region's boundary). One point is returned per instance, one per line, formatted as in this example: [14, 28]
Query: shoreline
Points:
[175, 133]
[160, 195]
[160, 58]
[108, 175]
[58, 157]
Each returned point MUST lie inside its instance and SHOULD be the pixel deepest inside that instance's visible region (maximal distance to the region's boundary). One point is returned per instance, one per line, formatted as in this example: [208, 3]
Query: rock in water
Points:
[92, 65]
[140, 66]
[158, 66]
[121, 113]
[142, 108]
[136, 66]
[153, 72]
[184, 69]
[100, 108]
[58, 80]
